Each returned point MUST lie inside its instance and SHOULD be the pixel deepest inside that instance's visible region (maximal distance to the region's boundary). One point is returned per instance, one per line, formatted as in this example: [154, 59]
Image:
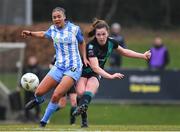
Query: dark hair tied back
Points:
[97, 24]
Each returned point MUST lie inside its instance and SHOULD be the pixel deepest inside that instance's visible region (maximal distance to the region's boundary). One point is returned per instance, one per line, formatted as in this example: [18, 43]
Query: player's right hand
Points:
[25, 33]
[117, 75]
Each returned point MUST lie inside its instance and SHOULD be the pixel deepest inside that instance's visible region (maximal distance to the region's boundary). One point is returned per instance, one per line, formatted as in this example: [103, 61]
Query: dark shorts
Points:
[92, 74]
[72, 90]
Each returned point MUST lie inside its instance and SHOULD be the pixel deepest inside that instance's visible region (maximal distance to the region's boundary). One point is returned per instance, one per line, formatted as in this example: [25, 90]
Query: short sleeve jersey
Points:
[101, 52]
[66, 42]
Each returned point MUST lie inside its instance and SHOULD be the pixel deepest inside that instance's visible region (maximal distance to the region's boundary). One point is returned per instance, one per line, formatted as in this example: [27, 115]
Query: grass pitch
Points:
[111, 117]
[54, 128]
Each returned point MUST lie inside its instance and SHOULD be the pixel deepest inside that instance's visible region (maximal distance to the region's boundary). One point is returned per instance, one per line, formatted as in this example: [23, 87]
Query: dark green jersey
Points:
[102, 53]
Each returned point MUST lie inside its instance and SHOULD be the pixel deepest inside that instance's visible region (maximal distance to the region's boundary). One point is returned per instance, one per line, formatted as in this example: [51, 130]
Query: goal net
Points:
[11, 64]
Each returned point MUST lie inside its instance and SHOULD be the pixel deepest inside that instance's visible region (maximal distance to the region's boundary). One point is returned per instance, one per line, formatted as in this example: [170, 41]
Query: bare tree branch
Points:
[112, 10]
[100, 8]
[167, 17]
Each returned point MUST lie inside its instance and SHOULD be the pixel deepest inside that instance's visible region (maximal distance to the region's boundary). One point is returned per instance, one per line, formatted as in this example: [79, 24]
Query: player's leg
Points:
[84, 118]
[80, 89]
[53, 105]
[62, 102]
[72, 96]
[49, 81]
[91, 88]
[80, 86]
[67, 81]
[46, 84]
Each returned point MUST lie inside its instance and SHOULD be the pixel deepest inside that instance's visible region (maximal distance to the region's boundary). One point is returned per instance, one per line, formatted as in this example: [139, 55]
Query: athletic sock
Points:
[39, 99]
[86, 98]
[84, 117]
[51, 108]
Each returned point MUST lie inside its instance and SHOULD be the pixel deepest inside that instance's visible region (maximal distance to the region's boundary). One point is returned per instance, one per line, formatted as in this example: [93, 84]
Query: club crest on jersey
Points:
[90, 46]
[73, 69]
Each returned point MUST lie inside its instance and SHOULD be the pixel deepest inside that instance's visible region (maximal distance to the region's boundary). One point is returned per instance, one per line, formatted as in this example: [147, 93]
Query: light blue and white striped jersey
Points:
[66, 45]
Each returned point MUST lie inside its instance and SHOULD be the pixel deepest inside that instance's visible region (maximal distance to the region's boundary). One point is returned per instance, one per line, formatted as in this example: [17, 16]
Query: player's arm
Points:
[38, 34]
[94, 64]
[82, 46]
[82, 49]
[133, 54]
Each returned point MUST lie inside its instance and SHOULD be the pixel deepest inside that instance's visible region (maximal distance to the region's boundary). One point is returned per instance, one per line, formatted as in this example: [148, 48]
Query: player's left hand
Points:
[147, 55]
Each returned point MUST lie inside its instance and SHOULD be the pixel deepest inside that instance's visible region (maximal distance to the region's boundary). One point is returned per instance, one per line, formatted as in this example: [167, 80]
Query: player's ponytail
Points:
[97, 24]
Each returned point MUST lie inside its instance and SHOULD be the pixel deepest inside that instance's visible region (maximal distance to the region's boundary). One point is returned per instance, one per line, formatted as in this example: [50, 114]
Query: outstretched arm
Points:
[96, 68]
[38, 34]
[133, 54]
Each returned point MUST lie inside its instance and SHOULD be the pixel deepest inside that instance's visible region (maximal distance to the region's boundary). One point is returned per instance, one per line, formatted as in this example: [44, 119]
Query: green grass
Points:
[9, 80]
[111, 117]
[35, 128]
[114, 114]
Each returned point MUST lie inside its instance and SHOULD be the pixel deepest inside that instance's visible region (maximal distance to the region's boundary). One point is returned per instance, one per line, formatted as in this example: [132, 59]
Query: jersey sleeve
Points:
[91, 51]
[79, 36]
[48, 33]
[115, 43]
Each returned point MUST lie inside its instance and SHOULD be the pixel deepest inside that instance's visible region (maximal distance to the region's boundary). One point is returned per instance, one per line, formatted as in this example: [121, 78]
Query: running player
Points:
[98, 51]
[68, 66]
[72, 97]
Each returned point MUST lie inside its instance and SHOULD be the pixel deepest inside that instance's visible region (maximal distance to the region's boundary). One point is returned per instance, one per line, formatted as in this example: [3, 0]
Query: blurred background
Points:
[150, 90]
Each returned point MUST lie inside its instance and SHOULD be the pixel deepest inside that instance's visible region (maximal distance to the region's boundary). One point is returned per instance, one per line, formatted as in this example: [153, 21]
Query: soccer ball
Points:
[29, 81]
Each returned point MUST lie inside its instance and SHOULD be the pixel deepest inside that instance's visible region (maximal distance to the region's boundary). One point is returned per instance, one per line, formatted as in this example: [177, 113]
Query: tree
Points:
[112, 10]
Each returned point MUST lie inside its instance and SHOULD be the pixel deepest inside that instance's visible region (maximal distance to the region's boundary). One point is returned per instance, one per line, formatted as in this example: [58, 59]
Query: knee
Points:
[62, 104]
[73, 102]
[80, 92]
[55, 97]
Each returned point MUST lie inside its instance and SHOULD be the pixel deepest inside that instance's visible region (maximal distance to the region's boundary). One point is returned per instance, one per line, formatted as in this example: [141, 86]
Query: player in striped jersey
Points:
[68, 66]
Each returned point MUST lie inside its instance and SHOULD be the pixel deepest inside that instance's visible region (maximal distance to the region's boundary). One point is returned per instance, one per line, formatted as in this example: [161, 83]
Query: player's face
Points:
[58, 18]
[101, 35]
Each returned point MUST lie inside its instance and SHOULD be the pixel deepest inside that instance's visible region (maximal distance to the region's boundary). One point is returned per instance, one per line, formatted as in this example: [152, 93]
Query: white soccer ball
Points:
[29, 81]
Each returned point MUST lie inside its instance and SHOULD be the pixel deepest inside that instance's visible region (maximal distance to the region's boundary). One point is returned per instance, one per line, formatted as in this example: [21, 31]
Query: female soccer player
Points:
[71, 93]
[68, 66]
[98, 51]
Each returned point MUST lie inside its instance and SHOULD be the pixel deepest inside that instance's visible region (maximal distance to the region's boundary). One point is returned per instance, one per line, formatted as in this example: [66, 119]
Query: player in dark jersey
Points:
[98, 51]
